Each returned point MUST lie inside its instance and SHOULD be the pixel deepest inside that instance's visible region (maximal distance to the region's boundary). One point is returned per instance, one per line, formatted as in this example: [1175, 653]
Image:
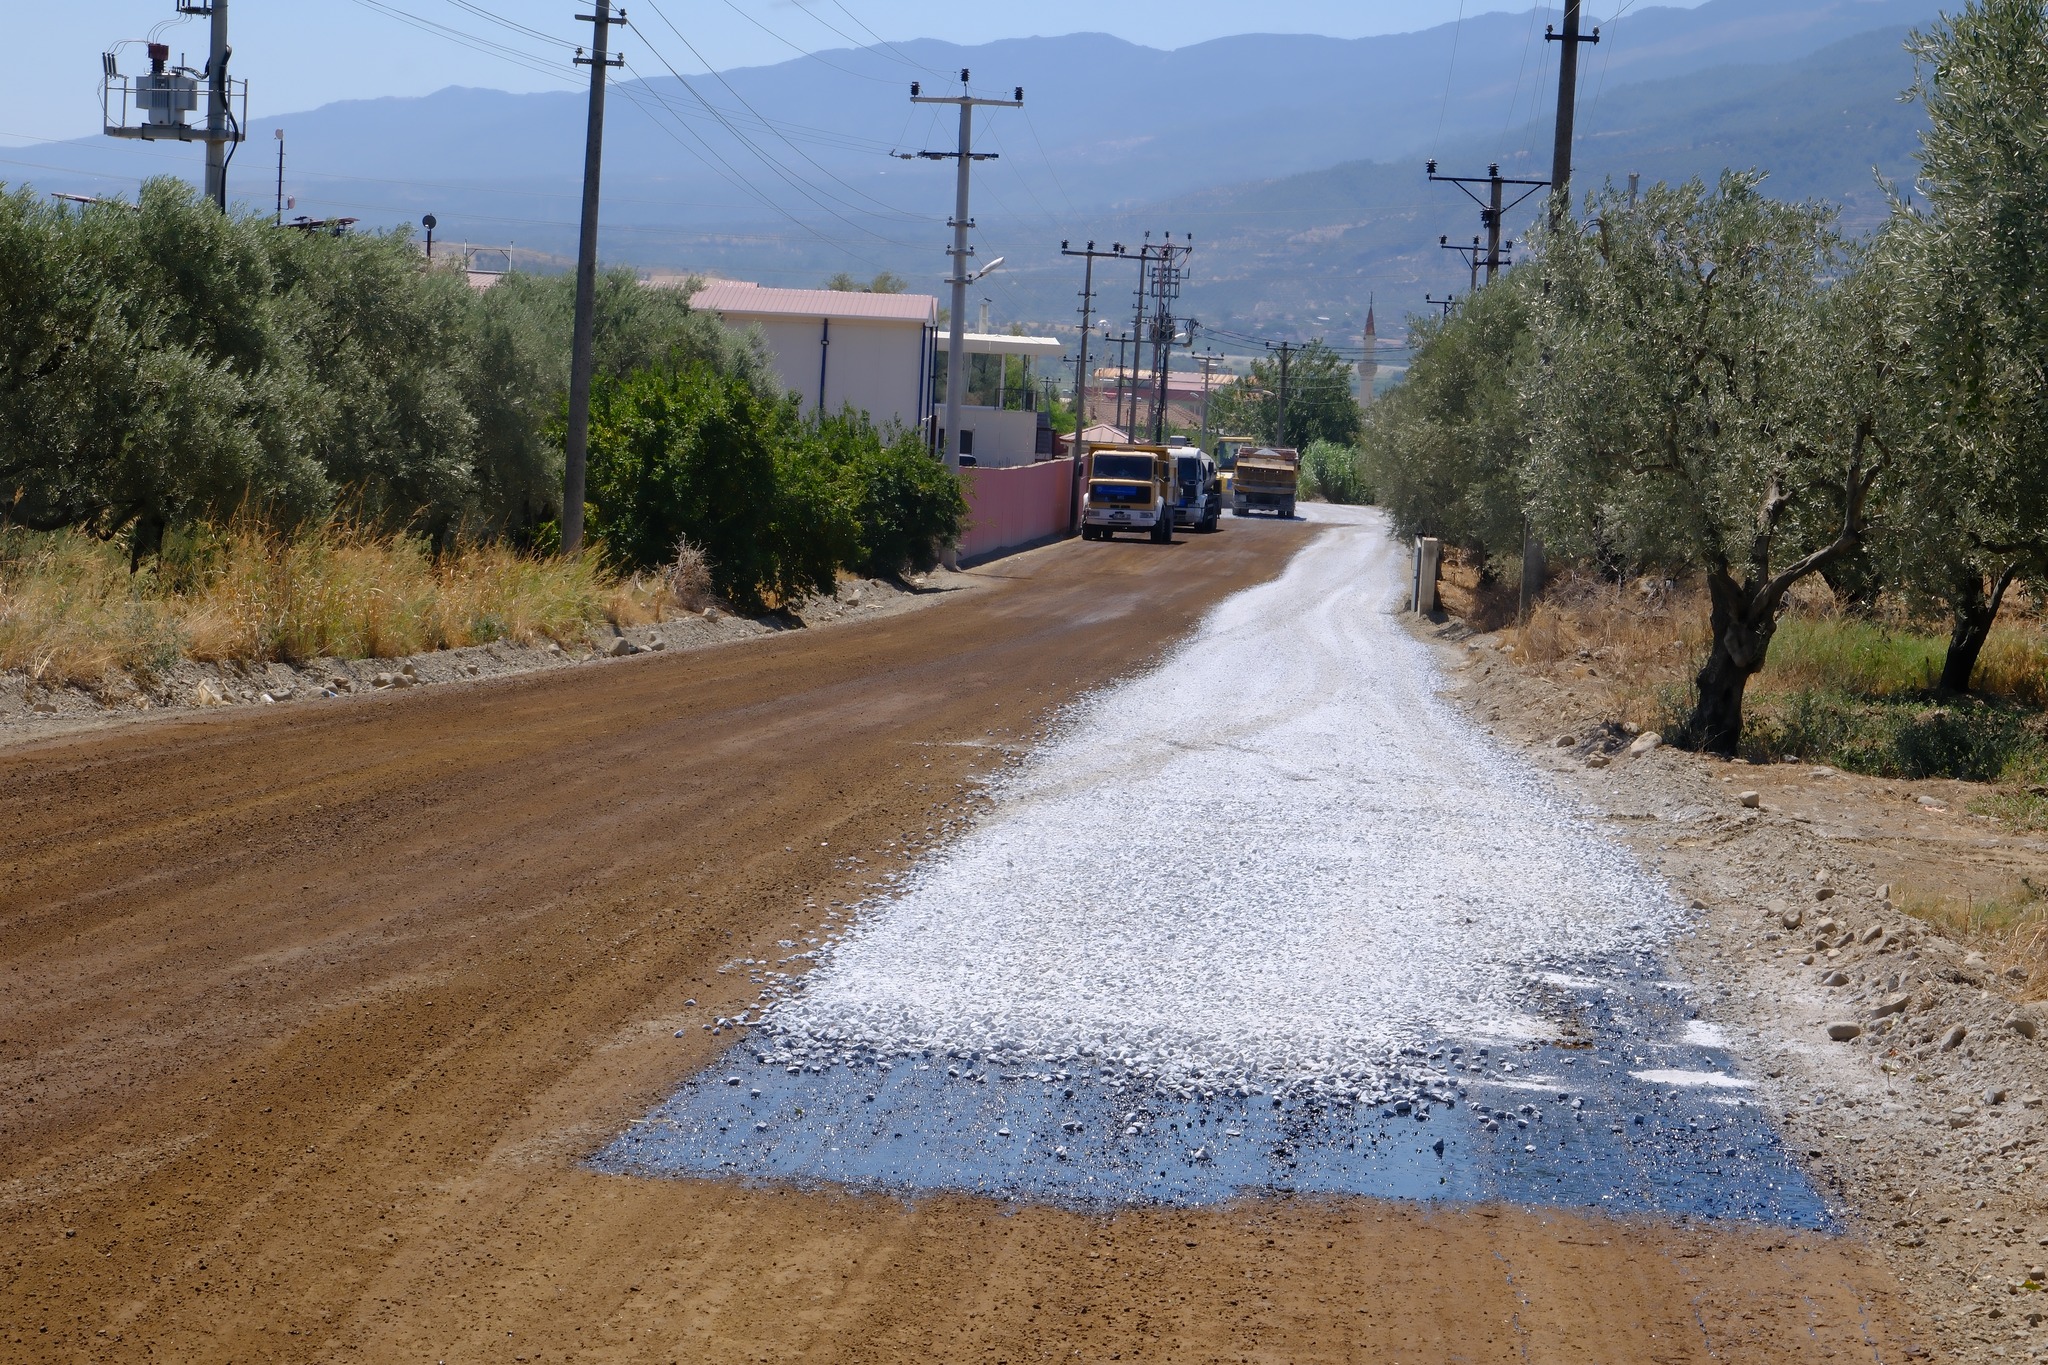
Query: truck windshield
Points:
[1137, 468]
[1190, 471]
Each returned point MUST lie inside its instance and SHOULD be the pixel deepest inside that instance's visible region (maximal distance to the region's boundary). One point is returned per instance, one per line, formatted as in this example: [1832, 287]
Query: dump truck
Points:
[1198, 489]
[1130, 488]
[1267, 478]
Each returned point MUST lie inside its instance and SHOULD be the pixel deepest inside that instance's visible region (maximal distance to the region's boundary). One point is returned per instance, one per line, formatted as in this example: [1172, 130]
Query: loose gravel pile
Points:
[1275, 863]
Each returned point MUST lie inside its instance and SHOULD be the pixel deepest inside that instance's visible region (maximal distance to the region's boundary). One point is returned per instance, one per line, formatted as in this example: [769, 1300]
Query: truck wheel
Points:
[1287, 509]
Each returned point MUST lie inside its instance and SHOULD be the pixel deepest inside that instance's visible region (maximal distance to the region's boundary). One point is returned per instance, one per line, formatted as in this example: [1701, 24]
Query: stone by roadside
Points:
[1908, 1072]
[30, 711]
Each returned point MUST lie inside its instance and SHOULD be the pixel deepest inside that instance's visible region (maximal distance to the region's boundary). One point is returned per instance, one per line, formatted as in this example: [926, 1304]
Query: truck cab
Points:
[1130, 488]
[1197, 489]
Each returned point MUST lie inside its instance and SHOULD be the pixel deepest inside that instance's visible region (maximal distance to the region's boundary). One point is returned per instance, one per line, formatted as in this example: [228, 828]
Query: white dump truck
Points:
[1197, 489]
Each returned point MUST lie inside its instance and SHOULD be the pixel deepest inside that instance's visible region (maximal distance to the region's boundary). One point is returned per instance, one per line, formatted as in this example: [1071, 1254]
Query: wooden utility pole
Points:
[576, 442]
[1492, 210]
[1285, 350]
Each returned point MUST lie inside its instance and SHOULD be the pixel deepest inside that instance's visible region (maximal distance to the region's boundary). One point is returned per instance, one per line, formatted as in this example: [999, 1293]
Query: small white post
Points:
[1428, 551]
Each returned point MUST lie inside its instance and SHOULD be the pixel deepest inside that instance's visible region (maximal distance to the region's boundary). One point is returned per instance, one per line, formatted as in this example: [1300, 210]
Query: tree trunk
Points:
[1972, 614]
[146, 541]
[1743, 620]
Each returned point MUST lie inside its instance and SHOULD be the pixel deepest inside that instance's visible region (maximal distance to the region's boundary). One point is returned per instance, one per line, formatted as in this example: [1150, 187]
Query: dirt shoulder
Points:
[31, 711]
[1922, 1112]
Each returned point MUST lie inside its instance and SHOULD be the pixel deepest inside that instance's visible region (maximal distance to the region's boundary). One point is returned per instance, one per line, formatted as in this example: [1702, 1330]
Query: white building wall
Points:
[872, 365]
[1002, 436]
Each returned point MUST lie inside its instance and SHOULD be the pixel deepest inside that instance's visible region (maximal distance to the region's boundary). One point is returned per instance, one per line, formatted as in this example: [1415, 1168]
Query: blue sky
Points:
[301, 53]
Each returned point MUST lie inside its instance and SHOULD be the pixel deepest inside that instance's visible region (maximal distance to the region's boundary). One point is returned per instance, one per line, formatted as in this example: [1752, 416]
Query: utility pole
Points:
[279, 221]
[1444, 304]
[1166, 281]
[581, 361]
[164, 95]
[1471, 255]
[956, 355]
[217, 116]
[1087, 255]
[1492, 209]
[1208, 364]
[1286, 350]
[1567, 106]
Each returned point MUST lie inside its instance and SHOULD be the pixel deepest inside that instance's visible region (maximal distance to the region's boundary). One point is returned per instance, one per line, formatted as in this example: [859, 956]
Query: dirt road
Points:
[308, 1018]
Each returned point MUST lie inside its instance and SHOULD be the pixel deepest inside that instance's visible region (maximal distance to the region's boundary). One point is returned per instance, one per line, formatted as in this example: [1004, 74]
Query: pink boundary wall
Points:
[1007, 508]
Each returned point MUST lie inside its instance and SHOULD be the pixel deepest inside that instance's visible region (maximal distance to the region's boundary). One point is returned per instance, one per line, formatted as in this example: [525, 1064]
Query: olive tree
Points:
[1710, 403]
[1444, 449]
[1973, 265]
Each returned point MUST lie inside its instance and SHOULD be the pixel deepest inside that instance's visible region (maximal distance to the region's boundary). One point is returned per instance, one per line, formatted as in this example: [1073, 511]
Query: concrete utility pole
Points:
[218, 131]
[1567, 106]
[1087, 255]
[956, 355]
[163, 96]
[279, 220]
[577, 442]
[1166, 281]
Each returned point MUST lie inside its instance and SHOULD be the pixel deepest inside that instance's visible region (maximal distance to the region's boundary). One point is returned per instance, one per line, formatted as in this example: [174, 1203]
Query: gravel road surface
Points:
[1246, 923]
[311, 1019]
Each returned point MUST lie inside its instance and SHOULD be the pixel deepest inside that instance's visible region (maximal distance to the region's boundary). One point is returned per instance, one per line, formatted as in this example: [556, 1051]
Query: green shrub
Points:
[778, 505]
[906, 503]
[1334, 473]
[1971, 740]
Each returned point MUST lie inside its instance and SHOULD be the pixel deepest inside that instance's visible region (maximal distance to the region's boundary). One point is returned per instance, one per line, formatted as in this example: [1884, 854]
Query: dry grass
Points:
[2009, 927]
[71, 613]
[1646, 639]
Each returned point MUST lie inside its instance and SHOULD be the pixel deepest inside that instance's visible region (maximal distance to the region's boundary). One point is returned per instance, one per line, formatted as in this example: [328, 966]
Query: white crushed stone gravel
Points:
[1275, 862]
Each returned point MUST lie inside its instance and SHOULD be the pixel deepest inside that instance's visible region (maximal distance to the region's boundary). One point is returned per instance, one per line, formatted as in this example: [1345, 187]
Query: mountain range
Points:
[1295, 162]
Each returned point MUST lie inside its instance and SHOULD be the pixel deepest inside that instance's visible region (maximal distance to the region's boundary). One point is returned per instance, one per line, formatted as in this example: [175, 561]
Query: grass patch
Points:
[1969, 739]
[2025, 811]
[2010, 926]
[72, 613]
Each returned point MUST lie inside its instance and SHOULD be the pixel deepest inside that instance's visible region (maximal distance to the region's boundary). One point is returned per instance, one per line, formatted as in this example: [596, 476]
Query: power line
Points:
[462, 37]
[773, 165]
[885, 42]
[804, 51]
[1444, 109]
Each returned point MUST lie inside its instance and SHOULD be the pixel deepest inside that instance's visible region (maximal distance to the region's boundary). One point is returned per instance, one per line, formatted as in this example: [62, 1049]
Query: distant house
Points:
[834, 347]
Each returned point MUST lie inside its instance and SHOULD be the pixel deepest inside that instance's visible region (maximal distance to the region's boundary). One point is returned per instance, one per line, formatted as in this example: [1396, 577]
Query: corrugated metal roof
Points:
[1002, 343]
[753, 300]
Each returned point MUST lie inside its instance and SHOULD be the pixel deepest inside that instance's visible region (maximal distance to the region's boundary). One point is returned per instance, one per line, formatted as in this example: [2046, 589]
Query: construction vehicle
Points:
[1268, 478]
[1130, 488]
[1228, 448]
[1198, 489]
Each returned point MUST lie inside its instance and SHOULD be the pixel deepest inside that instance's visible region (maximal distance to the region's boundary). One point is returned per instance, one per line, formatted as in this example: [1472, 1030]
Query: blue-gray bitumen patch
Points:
[1544, 1124]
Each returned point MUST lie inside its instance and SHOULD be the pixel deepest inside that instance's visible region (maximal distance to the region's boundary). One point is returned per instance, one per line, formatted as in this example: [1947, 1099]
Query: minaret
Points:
[1369, 365]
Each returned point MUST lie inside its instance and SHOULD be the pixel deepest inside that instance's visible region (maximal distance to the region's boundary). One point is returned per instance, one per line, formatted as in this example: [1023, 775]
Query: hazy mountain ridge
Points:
[1216, 139]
